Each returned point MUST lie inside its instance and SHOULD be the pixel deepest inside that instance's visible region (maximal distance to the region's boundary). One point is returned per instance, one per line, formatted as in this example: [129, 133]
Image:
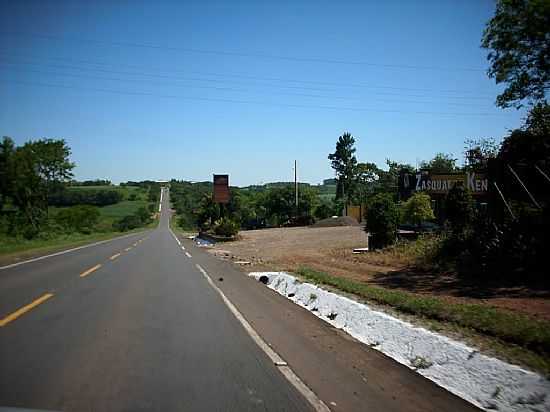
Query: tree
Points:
[382, 220]
[344, 163]
[366, 180]
[459, 209]
[279, 204]
[81, 218]
[441, 163]
[7, 150]
[418, 209]
[518, 37]
[388, 180]
[478, 152]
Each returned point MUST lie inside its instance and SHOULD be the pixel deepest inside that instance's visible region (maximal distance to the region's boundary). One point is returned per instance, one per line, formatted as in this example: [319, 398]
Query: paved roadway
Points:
[133, 325]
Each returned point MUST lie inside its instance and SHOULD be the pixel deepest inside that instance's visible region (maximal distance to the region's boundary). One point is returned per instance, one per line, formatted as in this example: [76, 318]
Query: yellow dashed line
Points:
[114, 256]
[87, 272]
[24, 309]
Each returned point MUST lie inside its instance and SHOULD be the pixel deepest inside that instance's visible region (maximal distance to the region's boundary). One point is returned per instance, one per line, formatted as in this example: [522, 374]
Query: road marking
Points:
[135, 244]
[188, 254]
[282, 366]
[24, 309]
[114, 256]
[127, 249]
[175, 237]
[87, 272]
[183, 248]
[65, 251]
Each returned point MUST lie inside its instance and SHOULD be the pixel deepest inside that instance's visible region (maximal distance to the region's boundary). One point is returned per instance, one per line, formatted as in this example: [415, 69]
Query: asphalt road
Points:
[133, 325]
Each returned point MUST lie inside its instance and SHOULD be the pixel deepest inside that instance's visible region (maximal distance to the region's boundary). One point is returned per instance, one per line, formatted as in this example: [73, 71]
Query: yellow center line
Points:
[87, 272]
[114, 256]
[24, 309]
[127, 249]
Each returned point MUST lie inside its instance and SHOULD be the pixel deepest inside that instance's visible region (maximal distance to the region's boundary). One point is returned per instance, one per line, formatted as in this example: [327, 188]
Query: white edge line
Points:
[188, 254]
[160, 202]
[287, 372]
[68, 250]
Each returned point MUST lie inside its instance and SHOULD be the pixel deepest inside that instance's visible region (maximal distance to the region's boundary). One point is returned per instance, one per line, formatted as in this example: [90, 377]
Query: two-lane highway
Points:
[131, 325]
[149, 322]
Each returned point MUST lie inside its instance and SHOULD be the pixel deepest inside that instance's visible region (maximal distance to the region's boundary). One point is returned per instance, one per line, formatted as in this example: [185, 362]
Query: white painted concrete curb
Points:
[486, 382]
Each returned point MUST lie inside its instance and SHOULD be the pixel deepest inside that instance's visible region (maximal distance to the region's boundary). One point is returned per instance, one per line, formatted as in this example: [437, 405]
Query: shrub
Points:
[81, 218]
[127, 223]
[226, 227]
[418, 209]
[382, 220]
[459, 209]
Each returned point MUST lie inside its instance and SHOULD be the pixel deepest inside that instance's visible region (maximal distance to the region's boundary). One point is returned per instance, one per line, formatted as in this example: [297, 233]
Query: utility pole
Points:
[296, 183]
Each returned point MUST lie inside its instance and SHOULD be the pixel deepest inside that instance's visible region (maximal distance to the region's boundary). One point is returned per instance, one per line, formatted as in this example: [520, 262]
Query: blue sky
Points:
[154, 90]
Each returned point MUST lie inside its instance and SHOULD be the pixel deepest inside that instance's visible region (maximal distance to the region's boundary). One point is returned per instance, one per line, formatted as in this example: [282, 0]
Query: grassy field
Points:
[14, 250]
[141, 194]
[517, 337]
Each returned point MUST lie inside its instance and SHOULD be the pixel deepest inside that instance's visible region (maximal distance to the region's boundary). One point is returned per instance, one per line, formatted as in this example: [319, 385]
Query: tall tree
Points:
[478, 152]
[441, 163]
[367, 180]
[518, 40]
[344, 163]
[34, 169]
[7, 150]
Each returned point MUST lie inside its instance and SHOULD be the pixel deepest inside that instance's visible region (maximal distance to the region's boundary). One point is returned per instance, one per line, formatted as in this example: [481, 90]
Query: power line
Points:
[209, 99]
[245, 76]
[241, 54]
[229, 89]
[156, 75]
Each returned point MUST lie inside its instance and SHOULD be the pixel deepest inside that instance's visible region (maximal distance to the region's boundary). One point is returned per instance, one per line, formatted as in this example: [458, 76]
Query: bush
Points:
[127, 223]
[72, 197]
[226, 227]
[382, 220]
[81, 218]
[418, 209]
[459, 209]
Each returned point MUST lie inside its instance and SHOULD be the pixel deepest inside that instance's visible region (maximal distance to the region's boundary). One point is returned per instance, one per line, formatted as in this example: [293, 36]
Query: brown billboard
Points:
[221, 188]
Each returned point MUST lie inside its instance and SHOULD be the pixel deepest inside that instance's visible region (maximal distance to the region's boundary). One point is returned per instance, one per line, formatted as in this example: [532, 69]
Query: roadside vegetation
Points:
[42, 208]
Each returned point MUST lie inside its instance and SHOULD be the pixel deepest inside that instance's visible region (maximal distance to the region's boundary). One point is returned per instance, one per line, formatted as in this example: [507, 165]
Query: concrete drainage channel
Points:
[488, 383]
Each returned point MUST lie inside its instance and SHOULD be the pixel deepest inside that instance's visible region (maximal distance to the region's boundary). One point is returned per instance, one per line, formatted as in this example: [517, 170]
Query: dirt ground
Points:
[329, 249]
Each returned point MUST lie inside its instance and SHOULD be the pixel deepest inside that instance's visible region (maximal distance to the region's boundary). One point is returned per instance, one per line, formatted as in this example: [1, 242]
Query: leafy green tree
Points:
[80, 218]
[418, 209]
[518, 40]
[367, 181]
[478, 152]
[441, 163]
[280, 205]
[382, 220]
[7, 150]
[388, 180]
[226, 227]
[344, 163]
[459, 209]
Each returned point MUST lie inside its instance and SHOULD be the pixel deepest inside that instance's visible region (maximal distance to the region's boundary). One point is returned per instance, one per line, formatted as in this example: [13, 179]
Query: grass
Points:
[419, 252]
[141, 194]
[509, 327]
[12, 250]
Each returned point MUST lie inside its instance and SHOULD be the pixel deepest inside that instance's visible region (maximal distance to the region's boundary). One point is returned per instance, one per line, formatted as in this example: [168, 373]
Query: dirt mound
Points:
[336, 221]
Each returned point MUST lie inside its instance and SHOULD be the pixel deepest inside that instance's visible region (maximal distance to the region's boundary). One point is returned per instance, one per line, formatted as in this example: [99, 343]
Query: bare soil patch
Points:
[329, 249]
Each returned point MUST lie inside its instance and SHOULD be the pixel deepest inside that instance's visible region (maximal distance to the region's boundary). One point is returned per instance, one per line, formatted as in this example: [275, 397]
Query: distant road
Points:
[140, 324]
